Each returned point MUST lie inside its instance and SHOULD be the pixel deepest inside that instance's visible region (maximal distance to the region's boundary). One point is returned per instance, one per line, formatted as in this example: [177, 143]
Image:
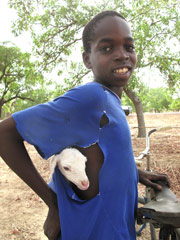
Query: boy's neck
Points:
[117, 90]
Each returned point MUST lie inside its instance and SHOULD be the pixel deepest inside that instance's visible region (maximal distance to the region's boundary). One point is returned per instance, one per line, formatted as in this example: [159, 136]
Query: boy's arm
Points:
[14, 153]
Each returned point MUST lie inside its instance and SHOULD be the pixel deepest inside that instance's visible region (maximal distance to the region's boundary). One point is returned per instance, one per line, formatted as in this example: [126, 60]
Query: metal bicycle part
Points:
[163, 212]
[157, 216]
[169, 233]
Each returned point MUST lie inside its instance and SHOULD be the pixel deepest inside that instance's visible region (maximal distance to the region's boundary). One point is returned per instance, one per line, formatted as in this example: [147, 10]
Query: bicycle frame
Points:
[146, 153]
[147, 197]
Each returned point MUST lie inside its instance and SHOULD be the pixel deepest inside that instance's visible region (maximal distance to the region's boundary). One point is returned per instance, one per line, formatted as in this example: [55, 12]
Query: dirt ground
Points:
[22, 213]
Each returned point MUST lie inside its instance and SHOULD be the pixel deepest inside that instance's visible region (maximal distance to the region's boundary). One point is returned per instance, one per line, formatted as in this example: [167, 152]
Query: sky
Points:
[8, 15]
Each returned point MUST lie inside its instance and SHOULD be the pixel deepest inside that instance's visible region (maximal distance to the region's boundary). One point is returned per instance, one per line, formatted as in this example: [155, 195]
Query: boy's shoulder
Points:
[90, 86]
[89, 90]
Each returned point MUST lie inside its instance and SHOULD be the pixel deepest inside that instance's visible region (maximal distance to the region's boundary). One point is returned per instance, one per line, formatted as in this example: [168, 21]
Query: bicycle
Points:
[161, 209]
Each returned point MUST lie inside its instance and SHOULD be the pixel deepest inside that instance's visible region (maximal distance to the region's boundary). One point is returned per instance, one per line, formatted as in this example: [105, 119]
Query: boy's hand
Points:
[52, 224]
[150, 179]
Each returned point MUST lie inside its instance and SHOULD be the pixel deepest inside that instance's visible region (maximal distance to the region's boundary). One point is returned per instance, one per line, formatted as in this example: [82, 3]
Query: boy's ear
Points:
[86, 60]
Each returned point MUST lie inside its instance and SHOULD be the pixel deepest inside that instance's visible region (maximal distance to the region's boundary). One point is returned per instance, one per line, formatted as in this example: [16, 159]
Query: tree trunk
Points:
[139, 111]
[1, 105]
[0, 110]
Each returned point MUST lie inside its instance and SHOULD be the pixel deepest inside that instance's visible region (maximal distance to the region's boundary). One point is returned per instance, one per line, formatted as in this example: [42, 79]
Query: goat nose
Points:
[85, 183]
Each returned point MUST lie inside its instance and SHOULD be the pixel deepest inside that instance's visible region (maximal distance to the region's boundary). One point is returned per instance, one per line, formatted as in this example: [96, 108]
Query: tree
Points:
[154, 24]
[159, 99]
[175, 105]
[56, 26]
[18, 76]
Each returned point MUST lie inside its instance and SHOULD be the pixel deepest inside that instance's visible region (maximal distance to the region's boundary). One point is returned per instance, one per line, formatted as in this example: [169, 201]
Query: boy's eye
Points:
[105, 49]
[130, 48]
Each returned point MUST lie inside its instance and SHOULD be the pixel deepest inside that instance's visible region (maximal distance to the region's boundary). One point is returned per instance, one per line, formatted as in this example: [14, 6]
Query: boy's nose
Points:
[121, 54]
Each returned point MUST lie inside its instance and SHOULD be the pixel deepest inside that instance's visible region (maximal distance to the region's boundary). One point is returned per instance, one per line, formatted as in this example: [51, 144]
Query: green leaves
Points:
[18, 76]
[155, 100]
[56, 28]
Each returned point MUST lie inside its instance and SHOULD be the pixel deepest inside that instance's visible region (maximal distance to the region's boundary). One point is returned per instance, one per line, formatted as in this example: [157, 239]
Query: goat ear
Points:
[53, 163]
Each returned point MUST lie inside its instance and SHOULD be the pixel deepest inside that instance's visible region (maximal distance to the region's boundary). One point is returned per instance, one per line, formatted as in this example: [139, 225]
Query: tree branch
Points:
[58, 53]
[19, 97]
[3, 73]
[142, 13]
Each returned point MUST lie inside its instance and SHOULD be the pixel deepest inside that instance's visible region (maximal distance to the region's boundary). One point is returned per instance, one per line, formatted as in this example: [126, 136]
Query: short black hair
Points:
[88, 32]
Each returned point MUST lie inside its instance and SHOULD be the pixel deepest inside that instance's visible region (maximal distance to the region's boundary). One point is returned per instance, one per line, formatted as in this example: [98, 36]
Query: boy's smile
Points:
[112, 57]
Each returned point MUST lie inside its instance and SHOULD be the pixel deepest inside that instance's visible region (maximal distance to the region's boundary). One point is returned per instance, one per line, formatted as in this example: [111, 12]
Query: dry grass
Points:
[165, 151]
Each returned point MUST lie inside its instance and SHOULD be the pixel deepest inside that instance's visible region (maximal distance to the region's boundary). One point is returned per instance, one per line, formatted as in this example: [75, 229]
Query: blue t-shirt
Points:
[74, 120]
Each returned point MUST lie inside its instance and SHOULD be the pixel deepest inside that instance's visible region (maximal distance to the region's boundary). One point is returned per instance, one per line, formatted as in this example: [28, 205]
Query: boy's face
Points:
[112, 57]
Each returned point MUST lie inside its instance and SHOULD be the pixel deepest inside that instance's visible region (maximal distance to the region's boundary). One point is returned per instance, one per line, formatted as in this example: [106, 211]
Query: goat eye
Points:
[66, 168]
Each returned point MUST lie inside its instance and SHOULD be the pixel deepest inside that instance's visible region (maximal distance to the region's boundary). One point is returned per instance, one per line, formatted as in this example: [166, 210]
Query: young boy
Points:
[90, 118]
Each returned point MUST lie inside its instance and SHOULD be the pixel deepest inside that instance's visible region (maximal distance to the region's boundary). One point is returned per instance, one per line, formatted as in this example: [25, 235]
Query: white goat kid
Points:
[72, 164]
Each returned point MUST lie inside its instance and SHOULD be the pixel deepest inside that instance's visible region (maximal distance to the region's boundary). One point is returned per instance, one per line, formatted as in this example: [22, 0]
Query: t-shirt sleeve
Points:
[70, 120]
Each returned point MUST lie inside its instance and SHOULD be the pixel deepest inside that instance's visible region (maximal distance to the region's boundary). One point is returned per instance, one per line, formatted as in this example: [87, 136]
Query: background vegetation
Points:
[56, 28]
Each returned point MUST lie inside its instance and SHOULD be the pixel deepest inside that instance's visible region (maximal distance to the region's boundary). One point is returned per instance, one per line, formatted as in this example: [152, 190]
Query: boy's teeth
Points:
[121, 70]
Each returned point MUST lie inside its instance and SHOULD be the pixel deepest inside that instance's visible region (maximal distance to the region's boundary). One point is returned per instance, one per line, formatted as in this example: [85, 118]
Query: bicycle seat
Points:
[164, 208]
